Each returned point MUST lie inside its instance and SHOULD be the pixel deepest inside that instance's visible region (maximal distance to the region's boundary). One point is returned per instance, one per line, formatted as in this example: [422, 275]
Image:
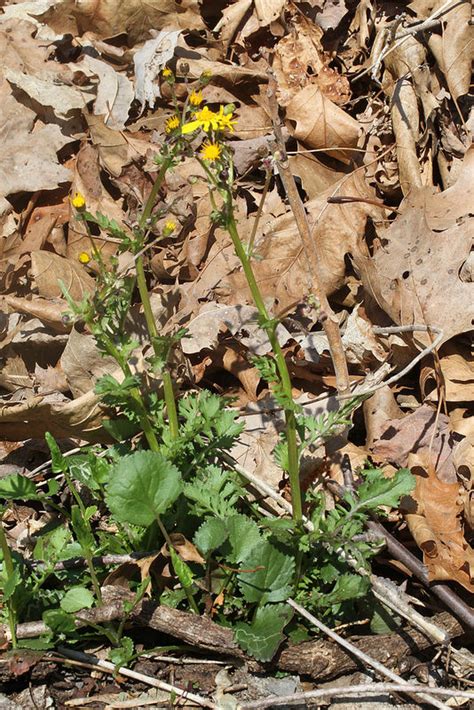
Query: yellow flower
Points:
[205, 118]
[171, 124]
[166, 73]
[84, 257]
[196, 98]
[78, 201]
[225, 120]
[170, 226]
[211, 151]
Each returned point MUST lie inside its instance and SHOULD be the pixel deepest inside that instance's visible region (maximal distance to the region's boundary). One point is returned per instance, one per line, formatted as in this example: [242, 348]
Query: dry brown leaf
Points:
[83, 364]
[300, 60]
[28, 160]
[49, 269]
[434, 519]
[281, 267]
[115, 149]
[454, 48]
[414, 276]
[80, 419]
[232, 18]
[322, 124]
[49, 311]
[114, 91]
[412, 435]
[457, 366]
[108, 18]
[268, 10]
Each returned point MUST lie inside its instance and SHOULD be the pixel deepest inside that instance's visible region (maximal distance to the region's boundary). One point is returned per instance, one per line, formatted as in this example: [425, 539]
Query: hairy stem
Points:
[291, 435]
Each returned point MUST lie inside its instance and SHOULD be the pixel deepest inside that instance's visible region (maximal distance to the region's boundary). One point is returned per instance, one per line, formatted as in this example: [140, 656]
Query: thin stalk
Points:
[268, 177]
[146, 214]
[291, 436]
[145, 298]
[153, 332]
[10, 570]
[137, 398]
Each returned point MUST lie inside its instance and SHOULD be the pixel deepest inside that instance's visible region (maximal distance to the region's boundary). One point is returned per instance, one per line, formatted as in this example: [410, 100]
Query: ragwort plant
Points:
[166, 473]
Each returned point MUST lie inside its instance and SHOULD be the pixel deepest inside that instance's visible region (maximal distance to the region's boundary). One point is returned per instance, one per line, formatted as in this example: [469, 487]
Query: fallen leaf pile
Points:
[377, 123]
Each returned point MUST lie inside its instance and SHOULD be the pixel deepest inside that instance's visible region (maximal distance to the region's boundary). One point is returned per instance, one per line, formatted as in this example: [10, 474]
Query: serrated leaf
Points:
[59, 621]
[271, 580]
[75, 599]
[244, 535]
[262, 637]
[17, 487]
[142, 486]
[210, 535]
[376, 490]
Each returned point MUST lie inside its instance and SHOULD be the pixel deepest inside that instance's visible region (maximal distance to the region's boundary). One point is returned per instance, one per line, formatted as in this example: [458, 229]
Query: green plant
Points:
[166, 474]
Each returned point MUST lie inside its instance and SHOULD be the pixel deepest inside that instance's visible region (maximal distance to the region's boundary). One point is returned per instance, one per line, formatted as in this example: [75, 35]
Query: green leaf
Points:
[378, 490]
[123, 654]
[82, 530]
[142, 486]
[75, 599]
[10, 584]
[271, 581]
[59, 621]
[262, 637]
[183, 571]
[17, 487]
[244, 535]
[210, 535]
[59, 463]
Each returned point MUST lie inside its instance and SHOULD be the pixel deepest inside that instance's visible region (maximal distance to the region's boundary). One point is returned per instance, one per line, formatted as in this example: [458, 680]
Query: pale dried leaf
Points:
[48, 269]
[114, 92]
[149, 61]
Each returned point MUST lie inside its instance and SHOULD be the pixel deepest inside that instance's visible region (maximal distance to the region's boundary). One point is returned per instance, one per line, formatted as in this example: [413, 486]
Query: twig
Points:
[311, 249]
[363, 689]
[383, 670]
[362, 390]
[452, 601]
[426, 24]
[110, 667]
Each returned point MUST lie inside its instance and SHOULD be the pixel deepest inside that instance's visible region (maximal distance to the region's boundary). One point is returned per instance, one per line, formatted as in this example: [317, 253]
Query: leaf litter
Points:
[378, 126]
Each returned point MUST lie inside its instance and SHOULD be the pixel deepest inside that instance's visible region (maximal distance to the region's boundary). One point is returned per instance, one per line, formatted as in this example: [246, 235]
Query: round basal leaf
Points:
[272, 576]
[262, 637]
[17, 487]
[142, 486]
[75, 599]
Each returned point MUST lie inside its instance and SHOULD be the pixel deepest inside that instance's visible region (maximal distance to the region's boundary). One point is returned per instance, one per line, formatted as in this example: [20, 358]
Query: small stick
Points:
[110, 667]
[363, 689]
[383, 670]
[311, 249]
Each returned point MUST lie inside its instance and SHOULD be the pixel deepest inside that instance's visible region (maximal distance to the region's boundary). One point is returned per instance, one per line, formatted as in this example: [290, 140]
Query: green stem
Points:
[291, 435]
[10, 571]
[150, 203]
[145, 298]
[153, 333]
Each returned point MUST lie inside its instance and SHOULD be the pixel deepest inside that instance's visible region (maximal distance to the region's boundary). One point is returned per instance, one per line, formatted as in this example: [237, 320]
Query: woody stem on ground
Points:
[311, 250]
[291, 434]
[9, 572]
[145, 298]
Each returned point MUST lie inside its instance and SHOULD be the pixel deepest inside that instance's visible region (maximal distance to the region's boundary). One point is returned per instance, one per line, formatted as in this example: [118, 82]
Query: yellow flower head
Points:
[78, 201]
[84, 257]
[196, 98]
[171, 124]
[211, 151]
[166, 73]
[205, 118]
[225, 120]
[170, 226]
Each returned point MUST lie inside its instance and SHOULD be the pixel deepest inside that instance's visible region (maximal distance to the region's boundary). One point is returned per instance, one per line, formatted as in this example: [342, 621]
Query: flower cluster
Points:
[210, 120]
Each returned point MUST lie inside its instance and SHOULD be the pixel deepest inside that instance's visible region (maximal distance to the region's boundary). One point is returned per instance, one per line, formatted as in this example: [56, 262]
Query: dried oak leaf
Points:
[434, 518]
[108, 18]
[413, 434]
[48, 269]
[414, 275]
